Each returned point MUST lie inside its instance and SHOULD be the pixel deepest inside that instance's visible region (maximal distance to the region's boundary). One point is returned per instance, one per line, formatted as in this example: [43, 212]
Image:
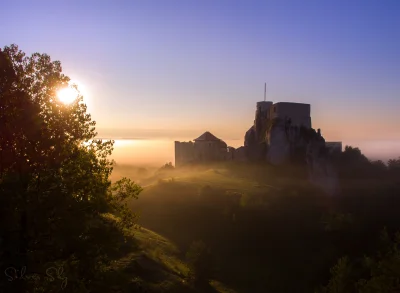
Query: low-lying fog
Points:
[149, 152]
[158, 152]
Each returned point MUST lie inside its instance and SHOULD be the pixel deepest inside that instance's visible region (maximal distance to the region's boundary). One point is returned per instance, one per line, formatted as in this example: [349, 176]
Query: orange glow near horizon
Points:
[156, 152]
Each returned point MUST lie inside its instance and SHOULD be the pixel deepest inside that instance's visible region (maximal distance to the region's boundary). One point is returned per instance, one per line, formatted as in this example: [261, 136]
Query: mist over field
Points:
[158, 151]
[153, 152]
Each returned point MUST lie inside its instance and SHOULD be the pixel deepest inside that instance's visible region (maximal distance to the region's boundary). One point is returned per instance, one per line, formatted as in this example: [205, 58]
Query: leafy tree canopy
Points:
[55, 192]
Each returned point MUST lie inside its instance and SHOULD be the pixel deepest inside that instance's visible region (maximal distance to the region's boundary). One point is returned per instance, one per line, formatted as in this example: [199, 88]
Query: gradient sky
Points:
[181, 67]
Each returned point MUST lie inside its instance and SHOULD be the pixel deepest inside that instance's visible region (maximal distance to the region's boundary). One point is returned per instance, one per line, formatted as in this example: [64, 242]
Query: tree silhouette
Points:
[55, 190]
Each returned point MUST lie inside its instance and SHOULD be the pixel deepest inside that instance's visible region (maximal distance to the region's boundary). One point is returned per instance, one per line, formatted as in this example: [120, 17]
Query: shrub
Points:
[167, 166]
[200, 262]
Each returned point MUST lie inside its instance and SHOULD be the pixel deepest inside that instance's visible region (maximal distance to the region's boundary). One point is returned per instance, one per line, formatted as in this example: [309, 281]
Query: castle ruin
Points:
[279, 130]
[205, 148]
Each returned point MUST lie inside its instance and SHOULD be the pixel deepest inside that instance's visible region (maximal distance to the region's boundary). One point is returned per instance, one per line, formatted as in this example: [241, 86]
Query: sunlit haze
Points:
[158, 71]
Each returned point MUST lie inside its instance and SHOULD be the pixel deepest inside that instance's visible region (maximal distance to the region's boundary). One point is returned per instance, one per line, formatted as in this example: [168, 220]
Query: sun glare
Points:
[72, 92]
[67, 95]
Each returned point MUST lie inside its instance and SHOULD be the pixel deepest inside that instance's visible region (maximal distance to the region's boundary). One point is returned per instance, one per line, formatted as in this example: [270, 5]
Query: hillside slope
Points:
[154, 265]
[253, 219]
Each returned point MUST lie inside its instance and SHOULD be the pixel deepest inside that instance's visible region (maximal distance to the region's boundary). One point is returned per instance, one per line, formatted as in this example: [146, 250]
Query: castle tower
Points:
[184, 153]
[263, 109]
[261, 119]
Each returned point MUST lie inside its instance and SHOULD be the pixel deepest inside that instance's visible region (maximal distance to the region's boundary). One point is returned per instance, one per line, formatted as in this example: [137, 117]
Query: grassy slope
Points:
[155, 265]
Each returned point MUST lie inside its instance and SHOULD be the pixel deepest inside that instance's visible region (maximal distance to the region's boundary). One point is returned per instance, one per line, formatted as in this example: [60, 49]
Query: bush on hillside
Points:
[167, 167]
[206, 191]
[377, 273]
[246, 199]
[353, 164]
[337, 222]
[200, 262]
[394, 165]
[142, 171]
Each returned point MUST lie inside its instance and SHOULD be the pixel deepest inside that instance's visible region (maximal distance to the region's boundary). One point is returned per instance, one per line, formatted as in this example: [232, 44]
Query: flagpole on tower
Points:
[265, 91]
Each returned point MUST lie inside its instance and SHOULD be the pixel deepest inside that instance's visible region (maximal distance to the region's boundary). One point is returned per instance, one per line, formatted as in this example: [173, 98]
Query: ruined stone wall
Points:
[263, 109]
[250, 137]
[320, 167]
[334, 147]
[231, 154]
[207, 151]
[300, 114]
[278, 143]
[201, 151]
[240, 154]
[261, 120]
[184, 153]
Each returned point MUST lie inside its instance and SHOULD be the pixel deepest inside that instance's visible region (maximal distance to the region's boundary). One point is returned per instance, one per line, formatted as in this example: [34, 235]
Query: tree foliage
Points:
[200, 262]
[167, 167]
[377, 273]
[394, 165]
[55, 190]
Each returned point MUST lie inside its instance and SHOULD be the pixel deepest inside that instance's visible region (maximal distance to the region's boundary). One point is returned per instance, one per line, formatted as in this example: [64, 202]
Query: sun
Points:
[67, 95]
[74, 90]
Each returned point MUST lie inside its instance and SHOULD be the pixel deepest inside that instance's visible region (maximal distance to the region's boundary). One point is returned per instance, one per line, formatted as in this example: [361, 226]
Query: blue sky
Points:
[187, 66]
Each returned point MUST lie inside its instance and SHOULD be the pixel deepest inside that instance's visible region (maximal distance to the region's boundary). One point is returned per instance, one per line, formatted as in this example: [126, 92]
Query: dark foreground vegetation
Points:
[65, 227]
[62, 223]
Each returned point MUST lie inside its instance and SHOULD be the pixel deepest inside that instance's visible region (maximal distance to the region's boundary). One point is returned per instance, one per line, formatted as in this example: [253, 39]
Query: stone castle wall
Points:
[261, 120]
[334, 146]
[202, 151]
[184, 153]
[300, 114]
